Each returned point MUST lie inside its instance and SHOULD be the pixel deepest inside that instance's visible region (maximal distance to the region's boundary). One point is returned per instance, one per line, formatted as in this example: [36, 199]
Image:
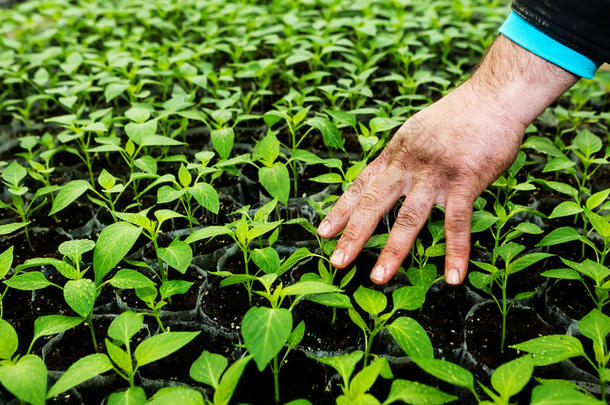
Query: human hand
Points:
[446, 154]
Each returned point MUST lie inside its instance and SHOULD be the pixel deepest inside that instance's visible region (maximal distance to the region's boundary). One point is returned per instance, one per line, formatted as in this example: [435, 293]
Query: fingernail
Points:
[453, 277]
[324, 228]
[378, 274]
[337, 258]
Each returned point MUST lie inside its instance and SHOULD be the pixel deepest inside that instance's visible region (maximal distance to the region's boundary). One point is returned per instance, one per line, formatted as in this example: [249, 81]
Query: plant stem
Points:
[92, 330]
[368, 343]
[276, 379]
[248, 283]
[504, 313]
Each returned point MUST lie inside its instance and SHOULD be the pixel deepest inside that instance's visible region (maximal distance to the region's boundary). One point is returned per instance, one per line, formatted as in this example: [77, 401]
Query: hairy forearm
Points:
[516, 82]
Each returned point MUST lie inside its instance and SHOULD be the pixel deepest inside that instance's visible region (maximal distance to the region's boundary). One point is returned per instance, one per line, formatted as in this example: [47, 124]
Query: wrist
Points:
[516, 84]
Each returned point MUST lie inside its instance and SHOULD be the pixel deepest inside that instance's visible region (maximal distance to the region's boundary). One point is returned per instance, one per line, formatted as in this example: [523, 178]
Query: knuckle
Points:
[358, 185]
[408, 218]
[394, 252]
[369, 199]
[351, 233]
[458, 224]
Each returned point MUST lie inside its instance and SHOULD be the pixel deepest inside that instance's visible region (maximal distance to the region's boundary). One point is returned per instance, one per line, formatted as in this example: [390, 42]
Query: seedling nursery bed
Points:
[164, 168]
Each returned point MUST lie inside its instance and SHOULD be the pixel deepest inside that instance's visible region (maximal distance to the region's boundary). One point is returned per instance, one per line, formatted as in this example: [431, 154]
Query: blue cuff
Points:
[539, 43]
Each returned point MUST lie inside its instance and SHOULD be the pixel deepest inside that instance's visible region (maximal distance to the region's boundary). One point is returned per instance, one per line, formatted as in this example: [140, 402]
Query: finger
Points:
[411, 218]
[343, 208]
[458, 216]
[379, 197]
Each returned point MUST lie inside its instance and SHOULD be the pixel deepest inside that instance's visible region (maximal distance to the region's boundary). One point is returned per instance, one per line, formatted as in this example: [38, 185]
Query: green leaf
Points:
[74, 249]
[128, 279]
[159, 140]
[176, 396]
[328, 178]
[309, 287]
[162, 345]
[554, 394]
[600, 224]
[510, 378]
[414, 393]
[167, 194]
[293, 259]
[408, 298]
[276, 180]
[261, 229]
[411, 337]
[267, 149]
[137, 132]
[184, 176]
[380, 124]
[447, 371]
[542, 144]
[106, 180]
[525, 261]
[335, 300]
[229, 381]
[113, 243]
[208, 368]
[422, 277]
[265, 331]
[566, 274]
[596, 326]
[206, 196]
[131, 396]
[222, 140]
[119, 357]
[482, 220]
[551, 348]
[365, 379]
[587, 142]
[53, 324]
[208, 232]
[82, 370]
[597, 199]
[113, 90]
[565, 209]
[27, 379]
[138, 114]
[34, 280]
[344, 364]
[560, 235]
[330, 133]
[80, 296]
[357, 319]
[125, 326]
[12, 227]
[174, 287]
[266, 259]
[68, 193]
[14, 173]
[371, 301]
[177, 255]
[596, 271]
[9, 341]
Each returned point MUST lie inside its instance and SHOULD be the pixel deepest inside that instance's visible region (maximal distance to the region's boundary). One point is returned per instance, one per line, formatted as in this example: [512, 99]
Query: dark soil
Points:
[570, 297]
[300, 377]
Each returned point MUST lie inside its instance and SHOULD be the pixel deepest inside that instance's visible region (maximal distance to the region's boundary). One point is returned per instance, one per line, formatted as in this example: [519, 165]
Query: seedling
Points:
[551, 349]
[243, 231]
[373, 302]
[498, 277]
[120, 356]
[211, 369]
[185, 190]
[355, 389]
[13, 177]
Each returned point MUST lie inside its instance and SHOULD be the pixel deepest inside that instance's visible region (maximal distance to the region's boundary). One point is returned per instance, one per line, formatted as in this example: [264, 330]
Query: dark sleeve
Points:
[582, 25]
